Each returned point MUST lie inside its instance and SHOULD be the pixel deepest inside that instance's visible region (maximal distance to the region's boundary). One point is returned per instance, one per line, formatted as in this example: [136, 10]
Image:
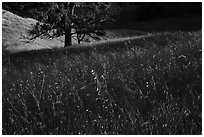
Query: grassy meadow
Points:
[149, 85]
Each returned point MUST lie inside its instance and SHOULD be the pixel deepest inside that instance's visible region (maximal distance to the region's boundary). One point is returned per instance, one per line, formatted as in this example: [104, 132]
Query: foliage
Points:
[82, 19]
[155, 88]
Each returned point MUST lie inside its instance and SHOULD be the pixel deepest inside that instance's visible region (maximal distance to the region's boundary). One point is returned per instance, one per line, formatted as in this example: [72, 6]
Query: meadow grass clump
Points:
[151, 89]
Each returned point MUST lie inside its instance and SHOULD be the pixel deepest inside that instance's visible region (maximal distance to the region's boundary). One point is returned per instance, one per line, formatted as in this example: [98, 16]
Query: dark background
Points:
[160, 16]
[148, 10]
[141, 16]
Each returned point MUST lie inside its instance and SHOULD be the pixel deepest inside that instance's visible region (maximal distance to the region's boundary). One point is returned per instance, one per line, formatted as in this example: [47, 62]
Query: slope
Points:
[14, 33]
[15, 28]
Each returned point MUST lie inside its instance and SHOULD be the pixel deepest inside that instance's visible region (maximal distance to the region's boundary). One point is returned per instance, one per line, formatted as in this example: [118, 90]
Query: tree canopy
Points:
[72, 19]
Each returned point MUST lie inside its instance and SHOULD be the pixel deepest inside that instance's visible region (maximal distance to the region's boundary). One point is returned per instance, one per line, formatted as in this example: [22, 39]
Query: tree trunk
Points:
[78, 38]
[68, 36]
[67, 25]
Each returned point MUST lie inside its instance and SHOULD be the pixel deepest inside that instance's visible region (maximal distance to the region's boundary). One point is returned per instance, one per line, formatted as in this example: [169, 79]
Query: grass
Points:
[151, 85]
[15, 35]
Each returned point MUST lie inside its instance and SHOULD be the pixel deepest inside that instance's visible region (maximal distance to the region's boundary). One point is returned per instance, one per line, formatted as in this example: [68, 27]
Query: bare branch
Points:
[38, 35]
[94, 37]
[82, 37]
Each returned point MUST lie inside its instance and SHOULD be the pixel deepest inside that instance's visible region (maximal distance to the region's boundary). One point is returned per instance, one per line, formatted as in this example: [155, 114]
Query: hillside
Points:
[128, 82]
[15, 28]
[14, 33]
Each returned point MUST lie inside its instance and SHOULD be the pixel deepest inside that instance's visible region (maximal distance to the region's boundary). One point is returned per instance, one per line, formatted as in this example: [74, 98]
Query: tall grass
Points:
[153, 89]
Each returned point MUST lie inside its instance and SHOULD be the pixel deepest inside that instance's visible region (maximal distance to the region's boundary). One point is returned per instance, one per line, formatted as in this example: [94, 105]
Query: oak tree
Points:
[73, 19]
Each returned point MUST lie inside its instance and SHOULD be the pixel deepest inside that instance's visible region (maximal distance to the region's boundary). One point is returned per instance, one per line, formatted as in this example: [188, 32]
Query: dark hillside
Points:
[158, 16]
[149, 10]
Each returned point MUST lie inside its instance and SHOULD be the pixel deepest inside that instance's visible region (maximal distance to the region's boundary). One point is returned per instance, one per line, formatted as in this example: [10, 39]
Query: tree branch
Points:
[37, 35]
[94, 37]
[82, 37]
